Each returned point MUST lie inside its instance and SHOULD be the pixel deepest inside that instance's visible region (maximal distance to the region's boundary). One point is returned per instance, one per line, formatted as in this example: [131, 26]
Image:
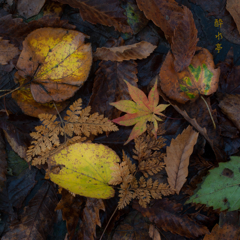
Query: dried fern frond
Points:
[78, 122]
[149, 159]
[151, 167]
[46, 136]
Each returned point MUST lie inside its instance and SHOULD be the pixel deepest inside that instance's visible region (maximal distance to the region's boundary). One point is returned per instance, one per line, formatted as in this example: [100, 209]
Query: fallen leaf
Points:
[196, 113]
[28, 8]
[165, 215]
[177, 159]
[17, 132]
[91, 218]
[71, 208]
[153, 233]
[140, 111]
[200, 78]
[113, 87]
[128, 52]
[16, 190]
[233, 7]
[184, 41]
[229, 80]
[164, 14]
[135, 18]
[3, 162]
[178, 26]
[229, 29]
[106, 12]
[58, 67]
[220, 189]
[230, 106]
[132, 227]
[92, 177]
[37, 219]
[8, 51]
[29, 106]
[225, 232]
[15, 30]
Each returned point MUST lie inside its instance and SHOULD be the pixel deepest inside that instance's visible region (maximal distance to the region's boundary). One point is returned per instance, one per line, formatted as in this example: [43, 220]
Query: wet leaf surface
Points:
[120, 29]
[37, 220]
[164, 214]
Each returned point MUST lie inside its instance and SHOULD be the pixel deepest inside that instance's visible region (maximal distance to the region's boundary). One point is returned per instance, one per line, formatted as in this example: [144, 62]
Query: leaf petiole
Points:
[214, 125]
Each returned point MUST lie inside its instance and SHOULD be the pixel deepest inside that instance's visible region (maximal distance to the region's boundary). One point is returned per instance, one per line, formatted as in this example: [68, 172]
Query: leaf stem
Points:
[214, 125]
[108, 222]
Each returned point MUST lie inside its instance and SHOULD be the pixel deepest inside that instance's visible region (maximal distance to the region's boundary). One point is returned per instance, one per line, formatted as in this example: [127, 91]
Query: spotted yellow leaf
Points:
[84, 169]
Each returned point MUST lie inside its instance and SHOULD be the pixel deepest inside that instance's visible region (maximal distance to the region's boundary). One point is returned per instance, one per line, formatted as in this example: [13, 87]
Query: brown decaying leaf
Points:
[165, 214]
[133, 226]
[29, 8]
[197, 115]
[16, 137]
[71, 208]
[91, 218]
[37, 219]
[233, 6]
[226, 232]
[15, 192]
[178, 26]
[8, 51]
[229, 29]
[206, 84]
[229, 81]
[15, 30]
[164, 14]
[29, 106]
[230, 106]
[3, 162]
[128, 52]
[109, 86]
[153, 233]
[105, 12]
[184, 41]
[177, 159]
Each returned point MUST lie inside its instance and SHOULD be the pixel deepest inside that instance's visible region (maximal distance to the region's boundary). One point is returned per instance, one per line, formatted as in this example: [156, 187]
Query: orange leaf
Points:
[233, 7]
[225, 232]
[177, 159]
[58, 62]
[129, 52]
[184, 41]
[200, 77]
[178, 25]
[140, 111]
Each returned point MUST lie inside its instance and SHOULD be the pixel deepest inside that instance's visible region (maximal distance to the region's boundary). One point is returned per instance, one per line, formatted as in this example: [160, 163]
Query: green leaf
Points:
[221, 188]
[84, 169]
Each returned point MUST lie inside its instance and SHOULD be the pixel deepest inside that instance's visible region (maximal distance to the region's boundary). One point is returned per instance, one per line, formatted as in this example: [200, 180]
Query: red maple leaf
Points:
[140, 111]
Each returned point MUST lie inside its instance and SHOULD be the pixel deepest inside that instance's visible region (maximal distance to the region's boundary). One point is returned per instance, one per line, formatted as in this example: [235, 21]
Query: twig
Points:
[214, 125]
[108, 223]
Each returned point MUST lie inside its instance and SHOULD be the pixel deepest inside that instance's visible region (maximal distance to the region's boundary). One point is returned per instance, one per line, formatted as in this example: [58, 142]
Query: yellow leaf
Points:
[57, 61]
[85, 169]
